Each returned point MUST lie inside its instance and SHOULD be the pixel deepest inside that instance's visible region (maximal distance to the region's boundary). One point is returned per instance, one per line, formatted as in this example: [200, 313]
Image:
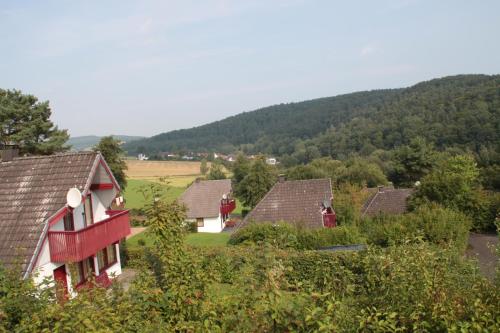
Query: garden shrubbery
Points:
[284, 235]
[431, 223]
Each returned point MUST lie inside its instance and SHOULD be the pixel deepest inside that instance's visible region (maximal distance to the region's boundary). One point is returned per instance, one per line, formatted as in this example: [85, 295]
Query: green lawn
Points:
[239, 207]
[194, 239]
[135, 199]
[208, 239]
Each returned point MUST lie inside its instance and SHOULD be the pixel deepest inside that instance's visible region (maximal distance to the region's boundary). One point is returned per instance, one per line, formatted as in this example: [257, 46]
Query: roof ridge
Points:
[54, 155]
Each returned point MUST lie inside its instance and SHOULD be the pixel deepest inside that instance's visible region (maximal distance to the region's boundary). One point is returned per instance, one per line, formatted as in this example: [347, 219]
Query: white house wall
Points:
[44, 269]
[212, 224]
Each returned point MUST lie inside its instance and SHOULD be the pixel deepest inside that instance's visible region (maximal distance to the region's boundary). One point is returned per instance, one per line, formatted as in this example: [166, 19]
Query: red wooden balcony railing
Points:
[73, 246]
[227, 206]
[329, 220]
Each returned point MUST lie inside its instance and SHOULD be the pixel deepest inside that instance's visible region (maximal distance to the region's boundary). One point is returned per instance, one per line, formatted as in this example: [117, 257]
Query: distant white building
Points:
[142, 157]
[271, 161]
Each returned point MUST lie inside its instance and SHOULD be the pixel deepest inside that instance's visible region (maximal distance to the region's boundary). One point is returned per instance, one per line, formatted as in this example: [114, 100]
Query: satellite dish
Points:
[224, 196]
[74, 197]
[327, 204]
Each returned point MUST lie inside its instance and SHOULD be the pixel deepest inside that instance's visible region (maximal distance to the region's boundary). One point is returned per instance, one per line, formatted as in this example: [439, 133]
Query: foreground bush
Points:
[284, 236]
[410, 288]
[431, 223]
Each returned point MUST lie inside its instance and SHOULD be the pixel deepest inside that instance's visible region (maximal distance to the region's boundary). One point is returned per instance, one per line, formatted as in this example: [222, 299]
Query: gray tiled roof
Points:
[387, 201]
[296, 202]
[32, 189]
[202, 198]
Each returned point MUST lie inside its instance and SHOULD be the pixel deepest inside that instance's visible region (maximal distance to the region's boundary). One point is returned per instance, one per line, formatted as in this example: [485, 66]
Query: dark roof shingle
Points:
[296, 202]
[387, 201]
[203, 197]
[32, 189]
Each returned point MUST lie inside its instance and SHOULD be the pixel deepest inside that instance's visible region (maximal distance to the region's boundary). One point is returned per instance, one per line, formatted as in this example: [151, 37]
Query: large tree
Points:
[113, 154]
[412, 162]
[25, 122]
[240, 168]
[256, 184]
[216, 171]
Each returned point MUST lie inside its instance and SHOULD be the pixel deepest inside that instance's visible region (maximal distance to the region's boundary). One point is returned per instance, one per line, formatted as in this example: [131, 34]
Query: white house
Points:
[271, 161]
[44, 235]
[209, 204]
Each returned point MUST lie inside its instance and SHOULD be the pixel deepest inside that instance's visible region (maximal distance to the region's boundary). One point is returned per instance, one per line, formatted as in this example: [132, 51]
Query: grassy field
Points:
[194, 239]
[155, 169]
[177, 174]
[135, 199]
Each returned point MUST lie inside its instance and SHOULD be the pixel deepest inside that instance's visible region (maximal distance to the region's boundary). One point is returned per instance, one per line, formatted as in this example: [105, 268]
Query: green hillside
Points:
[460, 111]
[88, 141]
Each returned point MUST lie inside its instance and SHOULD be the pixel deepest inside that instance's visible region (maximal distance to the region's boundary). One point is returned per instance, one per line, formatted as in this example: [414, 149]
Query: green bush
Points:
[284, 236]
[192, 227]
[431, 223]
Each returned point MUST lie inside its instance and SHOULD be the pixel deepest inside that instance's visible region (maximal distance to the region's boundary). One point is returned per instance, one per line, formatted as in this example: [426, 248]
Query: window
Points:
[111, 252]
[106, 257]
[68, 221]
[87, 211]
[199, 222]
[102, 259]
[85, 269]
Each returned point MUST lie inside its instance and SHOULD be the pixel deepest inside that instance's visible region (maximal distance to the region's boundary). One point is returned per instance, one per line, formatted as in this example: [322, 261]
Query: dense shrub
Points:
[284, 235]
[430, 223]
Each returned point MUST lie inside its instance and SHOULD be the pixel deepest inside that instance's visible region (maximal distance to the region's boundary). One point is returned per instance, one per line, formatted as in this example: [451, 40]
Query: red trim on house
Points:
[105, 166]
[59, 215]
[105, 186]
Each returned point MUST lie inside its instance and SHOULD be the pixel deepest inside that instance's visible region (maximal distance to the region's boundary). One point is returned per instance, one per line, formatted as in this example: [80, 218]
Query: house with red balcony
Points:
[45, 237]
[209, 204]
[303, 203]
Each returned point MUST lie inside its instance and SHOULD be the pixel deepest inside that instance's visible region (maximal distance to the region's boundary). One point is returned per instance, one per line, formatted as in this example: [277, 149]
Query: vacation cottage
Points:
[304, 203]
[55, 218]
[209, 203]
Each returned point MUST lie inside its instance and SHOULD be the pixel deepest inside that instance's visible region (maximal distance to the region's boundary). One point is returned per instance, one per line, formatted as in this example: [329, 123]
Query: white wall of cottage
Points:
[212, 224]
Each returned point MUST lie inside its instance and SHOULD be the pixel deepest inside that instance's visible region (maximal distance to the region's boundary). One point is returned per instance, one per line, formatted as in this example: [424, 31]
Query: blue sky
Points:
[145, 67]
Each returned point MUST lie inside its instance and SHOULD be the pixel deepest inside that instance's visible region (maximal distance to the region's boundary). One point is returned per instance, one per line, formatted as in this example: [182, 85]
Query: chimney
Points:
[8, 153]
[381, 189]
[281, 178]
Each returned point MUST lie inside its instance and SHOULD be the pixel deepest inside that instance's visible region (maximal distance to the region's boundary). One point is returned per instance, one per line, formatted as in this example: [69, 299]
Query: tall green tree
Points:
[454, 183]
[216, 171]
[204, 166]
[256, 183]
[114, 155]
[24, 121]
[412, 162]
[241, 167]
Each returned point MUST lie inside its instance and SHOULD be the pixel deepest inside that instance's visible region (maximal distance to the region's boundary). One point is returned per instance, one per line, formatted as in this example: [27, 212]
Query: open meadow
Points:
[177, 174]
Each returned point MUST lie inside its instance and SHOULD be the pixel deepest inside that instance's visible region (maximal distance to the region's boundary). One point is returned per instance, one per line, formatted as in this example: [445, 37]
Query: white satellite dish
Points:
[224, 196]
[74, 197]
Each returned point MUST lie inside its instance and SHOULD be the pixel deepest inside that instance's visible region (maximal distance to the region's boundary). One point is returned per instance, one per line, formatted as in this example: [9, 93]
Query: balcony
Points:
[227, 206]
[329, 220]
[73, 246]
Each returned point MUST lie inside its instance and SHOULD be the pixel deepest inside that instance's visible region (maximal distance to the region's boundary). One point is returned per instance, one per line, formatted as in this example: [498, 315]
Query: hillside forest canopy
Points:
[456, 112]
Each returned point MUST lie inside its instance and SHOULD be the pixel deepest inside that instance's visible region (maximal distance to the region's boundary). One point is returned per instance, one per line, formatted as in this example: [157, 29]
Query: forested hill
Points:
[460, 111]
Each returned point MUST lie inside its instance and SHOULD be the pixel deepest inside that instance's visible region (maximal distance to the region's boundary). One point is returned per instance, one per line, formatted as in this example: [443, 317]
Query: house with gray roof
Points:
[304, 203]
[386, 200]
[209, 203]
[41, 233]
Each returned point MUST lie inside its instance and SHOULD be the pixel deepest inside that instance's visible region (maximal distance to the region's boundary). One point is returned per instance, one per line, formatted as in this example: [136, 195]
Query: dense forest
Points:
[460, 112]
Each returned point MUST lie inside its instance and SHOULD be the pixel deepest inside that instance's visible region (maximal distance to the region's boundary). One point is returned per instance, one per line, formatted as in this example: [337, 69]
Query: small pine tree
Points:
[204, 167]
